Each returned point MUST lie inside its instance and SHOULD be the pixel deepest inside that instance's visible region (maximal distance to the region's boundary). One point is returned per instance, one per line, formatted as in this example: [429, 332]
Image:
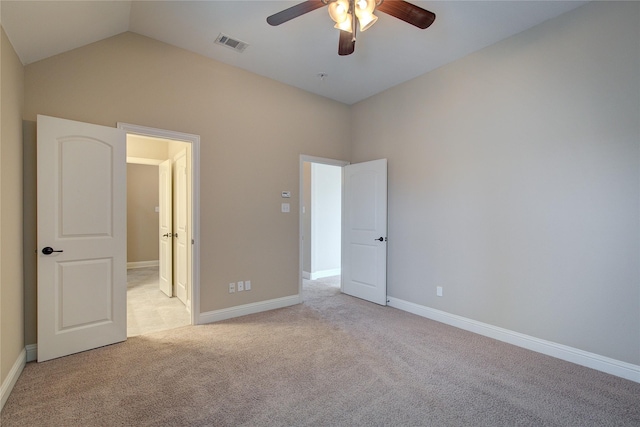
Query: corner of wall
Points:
[12, 377]
[11, 220]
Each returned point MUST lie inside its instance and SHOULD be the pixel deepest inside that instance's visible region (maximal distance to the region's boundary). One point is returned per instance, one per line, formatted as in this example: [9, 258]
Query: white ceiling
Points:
[295, 52]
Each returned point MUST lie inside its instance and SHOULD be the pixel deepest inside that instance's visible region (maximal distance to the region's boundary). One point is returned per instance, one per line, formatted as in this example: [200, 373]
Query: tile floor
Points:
[148, 309]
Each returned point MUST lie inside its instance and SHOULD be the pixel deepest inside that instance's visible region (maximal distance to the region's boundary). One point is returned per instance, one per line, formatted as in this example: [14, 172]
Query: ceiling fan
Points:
[347, 14]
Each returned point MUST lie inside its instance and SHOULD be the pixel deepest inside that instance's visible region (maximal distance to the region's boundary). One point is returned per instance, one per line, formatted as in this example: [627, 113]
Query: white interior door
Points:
[82, 285]
[364, 244]
[181, 239]
[166, 228]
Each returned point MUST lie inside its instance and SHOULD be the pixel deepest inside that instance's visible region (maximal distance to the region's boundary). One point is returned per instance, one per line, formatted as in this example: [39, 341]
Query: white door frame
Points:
[194, 140]
[310, 159]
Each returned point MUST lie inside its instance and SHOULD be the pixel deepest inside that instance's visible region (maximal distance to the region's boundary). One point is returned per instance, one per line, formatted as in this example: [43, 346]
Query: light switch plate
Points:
[286, 207]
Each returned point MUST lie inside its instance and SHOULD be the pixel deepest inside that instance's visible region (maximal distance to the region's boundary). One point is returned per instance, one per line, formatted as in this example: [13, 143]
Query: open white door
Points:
[181, 226]
[82, 247]
[166, 228]
[364, 236]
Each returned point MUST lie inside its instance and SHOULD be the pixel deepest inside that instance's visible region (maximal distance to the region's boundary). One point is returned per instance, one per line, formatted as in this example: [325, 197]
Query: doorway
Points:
[154, 193]
[363, 248]
[321, 226]
[163, 285]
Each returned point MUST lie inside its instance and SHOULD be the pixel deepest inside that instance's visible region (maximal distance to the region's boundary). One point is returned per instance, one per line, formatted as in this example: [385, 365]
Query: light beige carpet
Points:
[332, 361]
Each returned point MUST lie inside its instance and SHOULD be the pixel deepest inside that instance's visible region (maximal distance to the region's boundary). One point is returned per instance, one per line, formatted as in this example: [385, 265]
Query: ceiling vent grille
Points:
[237, 45]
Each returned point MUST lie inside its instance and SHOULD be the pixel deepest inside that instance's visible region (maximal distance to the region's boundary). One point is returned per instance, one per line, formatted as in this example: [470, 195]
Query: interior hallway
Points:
[148, 309]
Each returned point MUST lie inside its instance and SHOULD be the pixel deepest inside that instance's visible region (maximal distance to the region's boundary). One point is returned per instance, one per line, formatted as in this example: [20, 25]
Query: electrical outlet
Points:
[439, 291]
[240, 286]
[232, 288]
[247, 285]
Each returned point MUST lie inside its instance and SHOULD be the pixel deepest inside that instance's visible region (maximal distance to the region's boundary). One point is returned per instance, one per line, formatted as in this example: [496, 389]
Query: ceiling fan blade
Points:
[294, 11]
[347, 44]
[408, 12]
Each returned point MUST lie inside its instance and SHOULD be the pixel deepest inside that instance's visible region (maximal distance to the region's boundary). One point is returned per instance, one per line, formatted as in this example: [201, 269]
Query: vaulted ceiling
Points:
[301, 52]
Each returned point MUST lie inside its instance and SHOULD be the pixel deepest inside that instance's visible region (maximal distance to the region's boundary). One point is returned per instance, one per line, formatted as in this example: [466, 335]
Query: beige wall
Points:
[252, 131]
[143, 147]
[142, 219]
[30, 242]
[513, 182]
[11, 290]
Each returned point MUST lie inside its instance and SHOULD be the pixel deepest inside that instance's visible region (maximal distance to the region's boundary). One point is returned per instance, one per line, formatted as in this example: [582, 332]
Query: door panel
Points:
[84, 293]
[94, 219]
[81, 213]
[166, 227]
[365, 221]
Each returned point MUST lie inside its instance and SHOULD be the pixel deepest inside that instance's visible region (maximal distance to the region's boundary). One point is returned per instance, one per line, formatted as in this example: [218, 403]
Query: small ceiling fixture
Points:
[348, 15]
[341, 11]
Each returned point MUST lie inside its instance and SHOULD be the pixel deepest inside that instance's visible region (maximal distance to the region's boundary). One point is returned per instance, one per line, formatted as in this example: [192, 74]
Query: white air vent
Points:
[234, 44]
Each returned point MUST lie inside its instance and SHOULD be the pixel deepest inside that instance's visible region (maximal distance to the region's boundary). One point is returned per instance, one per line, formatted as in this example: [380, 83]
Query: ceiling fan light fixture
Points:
[366, 21]
[364, 12]
[339, 11]
[365, 6]
[345, 25]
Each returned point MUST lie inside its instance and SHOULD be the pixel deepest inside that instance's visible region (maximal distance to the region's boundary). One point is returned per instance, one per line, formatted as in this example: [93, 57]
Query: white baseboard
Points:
[32, 352]
[560, 351]
[12, 377]
[243, 310]
[306, 275]
[325, 273]
[143, 264]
